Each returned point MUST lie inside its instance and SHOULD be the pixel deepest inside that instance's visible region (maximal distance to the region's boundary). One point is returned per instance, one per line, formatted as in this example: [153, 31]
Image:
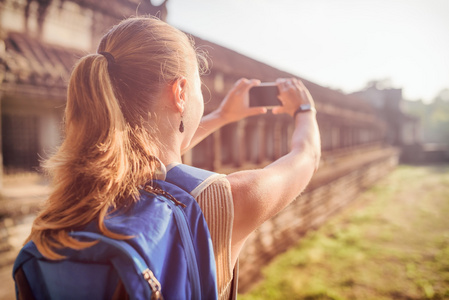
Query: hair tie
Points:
[109, 57]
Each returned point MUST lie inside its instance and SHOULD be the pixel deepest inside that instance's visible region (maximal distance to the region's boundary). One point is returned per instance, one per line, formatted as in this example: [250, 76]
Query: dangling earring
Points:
[181, 126]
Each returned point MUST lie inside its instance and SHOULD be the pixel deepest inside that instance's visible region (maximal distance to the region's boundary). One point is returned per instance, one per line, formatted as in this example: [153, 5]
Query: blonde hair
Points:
[109, 148]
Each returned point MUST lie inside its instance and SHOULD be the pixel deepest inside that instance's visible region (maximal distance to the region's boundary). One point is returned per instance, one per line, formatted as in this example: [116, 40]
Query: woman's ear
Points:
[179, 89]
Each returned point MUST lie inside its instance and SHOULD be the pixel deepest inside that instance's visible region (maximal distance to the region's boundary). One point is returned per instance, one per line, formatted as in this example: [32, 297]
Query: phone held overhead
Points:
[265, 94]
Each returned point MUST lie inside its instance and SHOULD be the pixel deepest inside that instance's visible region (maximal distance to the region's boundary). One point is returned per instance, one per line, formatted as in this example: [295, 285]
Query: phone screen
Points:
[265, 94]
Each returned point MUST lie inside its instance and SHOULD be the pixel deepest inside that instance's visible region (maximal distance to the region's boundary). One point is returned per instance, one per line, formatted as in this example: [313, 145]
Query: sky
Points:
[341, 44]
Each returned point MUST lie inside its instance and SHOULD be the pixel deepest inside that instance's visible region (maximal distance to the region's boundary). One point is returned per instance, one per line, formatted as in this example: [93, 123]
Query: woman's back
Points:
[138, 102]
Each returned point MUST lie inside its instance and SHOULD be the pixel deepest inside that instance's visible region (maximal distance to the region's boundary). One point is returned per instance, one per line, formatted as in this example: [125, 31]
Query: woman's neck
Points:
[169, 138]
[169, 147]
[169, 157]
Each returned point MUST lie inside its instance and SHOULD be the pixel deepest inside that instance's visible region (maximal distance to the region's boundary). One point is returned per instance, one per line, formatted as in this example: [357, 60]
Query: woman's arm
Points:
[234, 107]
[260, 194]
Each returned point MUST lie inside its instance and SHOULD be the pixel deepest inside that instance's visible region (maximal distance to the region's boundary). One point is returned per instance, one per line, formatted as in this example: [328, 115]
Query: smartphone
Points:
[265, 94]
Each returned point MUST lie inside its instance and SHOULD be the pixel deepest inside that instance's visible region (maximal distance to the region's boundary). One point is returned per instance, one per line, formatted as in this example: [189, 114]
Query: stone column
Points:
[336, 138]
[277, 136]
[261, 139]
[216, 164]
[240, 148]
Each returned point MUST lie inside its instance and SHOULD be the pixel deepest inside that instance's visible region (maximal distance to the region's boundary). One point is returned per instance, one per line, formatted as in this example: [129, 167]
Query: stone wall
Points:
[333, 187]
[20, 198]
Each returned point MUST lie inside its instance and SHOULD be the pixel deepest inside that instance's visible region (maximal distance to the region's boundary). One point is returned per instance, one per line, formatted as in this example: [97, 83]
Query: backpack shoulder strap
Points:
[190, 179]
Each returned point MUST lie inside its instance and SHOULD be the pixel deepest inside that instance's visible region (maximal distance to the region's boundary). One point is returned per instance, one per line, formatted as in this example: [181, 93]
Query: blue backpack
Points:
[170, 254]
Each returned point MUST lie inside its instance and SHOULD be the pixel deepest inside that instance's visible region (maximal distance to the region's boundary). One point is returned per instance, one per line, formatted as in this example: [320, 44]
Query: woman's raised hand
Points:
[292, 94]
[235, 105]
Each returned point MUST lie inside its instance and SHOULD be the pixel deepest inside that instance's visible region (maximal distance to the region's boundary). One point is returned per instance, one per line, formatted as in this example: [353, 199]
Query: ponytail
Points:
[99, 166]
[109, 148]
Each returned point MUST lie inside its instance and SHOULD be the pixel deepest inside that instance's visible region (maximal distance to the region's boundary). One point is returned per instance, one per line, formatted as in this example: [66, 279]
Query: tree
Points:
[434, 117]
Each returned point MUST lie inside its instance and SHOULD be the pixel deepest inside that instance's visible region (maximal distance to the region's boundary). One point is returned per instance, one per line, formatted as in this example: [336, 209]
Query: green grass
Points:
[392, 243]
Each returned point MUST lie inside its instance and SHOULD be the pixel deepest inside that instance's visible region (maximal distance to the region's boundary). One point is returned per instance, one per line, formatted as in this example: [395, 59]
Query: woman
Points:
[140, 98]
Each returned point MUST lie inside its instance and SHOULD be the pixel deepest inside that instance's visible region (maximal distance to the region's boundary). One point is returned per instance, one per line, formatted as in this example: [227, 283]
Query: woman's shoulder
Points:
[215, 186]
[220, 180]
[216, 195]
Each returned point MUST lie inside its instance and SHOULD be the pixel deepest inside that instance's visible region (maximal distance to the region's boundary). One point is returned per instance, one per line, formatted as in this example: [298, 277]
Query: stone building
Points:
[403, 130]
[41, 40]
